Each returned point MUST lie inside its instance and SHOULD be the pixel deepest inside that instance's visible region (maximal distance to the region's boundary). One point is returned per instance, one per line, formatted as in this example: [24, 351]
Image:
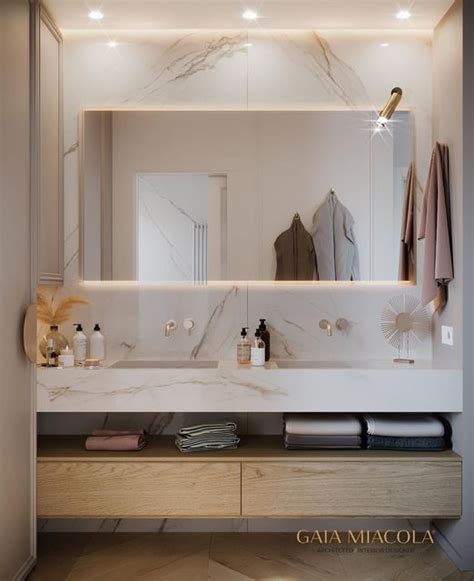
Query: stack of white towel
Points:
[322, 431]
[422, 432]
[204, 437]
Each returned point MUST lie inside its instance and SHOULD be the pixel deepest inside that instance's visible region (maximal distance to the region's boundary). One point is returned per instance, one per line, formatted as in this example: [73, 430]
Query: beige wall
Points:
[17, 423]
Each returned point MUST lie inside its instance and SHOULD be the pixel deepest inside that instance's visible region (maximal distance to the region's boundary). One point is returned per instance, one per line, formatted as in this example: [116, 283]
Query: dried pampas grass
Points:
[47, 313]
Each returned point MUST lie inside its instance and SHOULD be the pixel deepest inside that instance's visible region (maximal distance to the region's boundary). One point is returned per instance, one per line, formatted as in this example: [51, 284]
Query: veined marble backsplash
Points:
[133, 319]
[226, 70]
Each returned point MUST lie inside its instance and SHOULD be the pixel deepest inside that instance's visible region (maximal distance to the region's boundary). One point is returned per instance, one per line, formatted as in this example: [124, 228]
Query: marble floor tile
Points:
[230, 557]
[377, 563]
[57, 554]
[140, 557]
[426, 564]
[194, 566]
[276, 556]
[219, 572]
[460, 576]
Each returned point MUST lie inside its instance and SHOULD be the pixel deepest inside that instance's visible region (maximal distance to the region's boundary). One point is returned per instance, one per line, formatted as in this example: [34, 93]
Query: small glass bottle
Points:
[243, 348]
[60, 341]
[51, 354]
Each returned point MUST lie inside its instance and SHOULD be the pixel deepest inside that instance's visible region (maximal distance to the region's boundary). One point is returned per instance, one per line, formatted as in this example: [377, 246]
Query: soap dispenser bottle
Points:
[97, 344]
[257, 356]
[79, 344]
[265, 334]
[243, 348]
[51, 355]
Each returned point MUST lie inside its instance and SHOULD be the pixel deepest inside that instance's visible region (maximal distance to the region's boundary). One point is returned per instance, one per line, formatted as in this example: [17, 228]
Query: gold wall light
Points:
[390, 107]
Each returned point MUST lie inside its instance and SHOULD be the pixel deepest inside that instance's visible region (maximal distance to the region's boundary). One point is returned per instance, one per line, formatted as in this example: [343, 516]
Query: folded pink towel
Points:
[129, 442]
[118, 432]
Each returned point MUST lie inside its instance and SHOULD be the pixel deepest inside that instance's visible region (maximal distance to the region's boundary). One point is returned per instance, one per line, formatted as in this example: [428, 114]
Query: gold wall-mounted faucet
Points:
[342, 325]
[169, 327]
[325, 325]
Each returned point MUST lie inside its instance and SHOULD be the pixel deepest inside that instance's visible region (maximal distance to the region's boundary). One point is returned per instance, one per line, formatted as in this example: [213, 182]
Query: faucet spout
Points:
[325, 325]
[169, 327]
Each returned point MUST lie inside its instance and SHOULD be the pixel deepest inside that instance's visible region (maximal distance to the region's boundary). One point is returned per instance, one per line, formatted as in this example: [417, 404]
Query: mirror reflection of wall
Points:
[180, 227]
[203, 196]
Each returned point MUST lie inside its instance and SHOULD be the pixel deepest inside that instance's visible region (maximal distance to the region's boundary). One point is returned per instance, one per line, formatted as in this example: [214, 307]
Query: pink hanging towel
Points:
[435, 230]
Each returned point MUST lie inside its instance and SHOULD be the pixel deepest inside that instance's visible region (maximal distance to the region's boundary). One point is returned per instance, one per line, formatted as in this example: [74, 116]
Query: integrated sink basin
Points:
[295, 364]
[135, 364]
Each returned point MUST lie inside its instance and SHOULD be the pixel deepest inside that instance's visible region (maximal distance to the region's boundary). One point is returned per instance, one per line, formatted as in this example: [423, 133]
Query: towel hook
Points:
[332, 191]
[296, 216]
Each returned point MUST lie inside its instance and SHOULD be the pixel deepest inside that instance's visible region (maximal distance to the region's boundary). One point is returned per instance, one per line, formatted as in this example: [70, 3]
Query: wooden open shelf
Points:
[254, 448]
[259, 479]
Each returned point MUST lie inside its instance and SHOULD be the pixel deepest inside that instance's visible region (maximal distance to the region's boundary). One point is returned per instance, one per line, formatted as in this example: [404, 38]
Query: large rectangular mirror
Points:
[252, 196]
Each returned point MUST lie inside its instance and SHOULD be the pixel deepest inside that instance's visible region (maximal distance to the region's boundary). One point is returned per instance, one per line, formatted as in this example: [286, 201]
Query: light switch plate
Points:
[447, 337]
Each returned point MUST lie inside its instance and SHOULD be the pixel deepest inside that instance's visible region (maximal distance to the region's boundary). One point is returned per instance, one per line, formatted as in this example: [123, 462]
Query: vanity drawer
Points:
[356, 488]
[134, 489]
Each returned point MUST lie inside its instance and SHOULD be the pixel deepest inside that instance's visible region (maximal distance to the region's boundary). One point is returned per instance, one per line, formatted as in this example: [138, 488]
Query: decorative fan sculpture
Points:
[405, 321]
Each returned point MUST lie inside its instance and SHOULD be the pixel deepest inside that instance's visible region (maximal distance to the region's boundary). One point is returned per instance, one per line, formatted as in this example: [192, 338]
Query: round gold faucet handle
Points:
[342, 324]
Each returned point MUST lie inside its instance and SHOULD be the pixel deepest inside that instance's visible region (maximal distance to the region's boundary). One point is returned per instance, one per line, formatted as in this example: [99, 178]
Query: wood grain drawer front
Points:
[133, 489]
[391, 488]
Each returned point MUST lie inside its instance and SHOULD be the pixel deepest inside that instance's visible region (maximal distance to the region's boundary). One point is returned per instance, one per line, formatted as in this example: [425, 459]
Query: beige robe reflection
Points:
[337, 255]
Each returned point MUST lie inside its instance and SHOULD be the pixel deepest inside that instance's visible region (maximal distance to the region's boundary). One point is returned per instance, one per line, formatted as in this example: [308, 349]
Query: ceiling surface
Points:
[226, 14]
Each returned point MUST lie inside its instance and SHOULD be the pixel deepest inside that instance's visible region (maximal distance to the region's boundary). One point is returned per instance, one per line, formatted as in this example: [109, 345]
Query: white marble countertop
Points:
[357, 386]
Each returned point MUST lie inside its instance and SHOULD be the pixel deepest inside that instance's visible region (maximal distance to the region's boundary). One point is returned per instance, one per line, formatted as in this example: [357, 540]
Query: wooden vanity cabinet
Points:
[259, 479]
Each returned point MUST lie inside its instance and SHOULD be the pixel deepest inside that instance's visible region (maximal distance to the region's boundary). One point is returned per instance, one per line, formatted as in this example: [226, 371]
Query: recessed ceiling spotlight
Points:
[96, 15]
[249, 15]
[112, 44]
[248, 44]
[384, 44]
[403, 15]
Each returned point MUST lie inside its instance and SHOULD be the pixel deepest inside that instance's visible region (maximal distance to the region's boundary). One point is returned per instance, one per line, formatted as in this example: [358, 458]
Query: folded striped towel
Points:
[207, 437]
[188, 446]
[208, 429]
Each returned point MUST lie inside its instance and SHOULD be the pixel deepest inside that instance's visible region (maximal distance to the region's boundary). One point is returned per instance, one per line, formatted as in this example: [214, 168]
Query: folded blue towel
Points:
[435, 443]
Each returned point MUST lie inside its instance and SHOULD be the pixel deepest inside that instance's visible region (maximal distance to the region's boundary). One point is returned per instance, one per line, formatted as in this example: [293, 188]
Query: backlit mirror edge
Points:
[221, 283]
